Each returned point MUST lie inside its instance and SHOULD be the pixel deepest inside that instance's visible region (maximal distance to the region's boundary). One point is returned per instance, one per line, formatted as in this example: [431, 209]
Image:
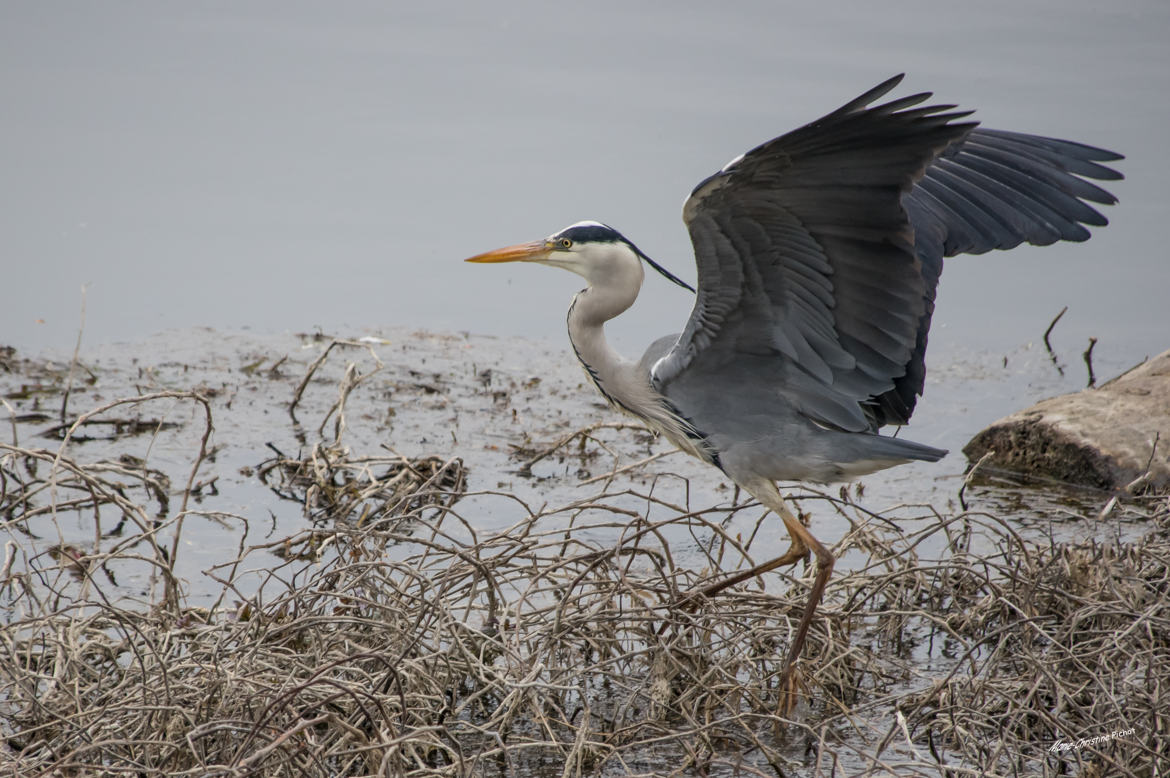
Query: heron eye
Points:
[566, 243]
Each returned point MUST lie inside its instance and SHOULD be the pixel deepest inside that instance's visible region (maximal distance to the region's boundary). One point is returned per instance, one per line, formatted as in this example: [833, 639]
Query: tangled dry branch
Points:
[425, 646]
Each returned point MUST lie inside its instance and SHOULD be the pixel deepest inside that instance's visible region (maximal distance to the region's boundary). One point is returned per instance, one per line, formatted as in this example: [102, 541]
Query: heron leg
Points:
[802, 541]
[789, 676]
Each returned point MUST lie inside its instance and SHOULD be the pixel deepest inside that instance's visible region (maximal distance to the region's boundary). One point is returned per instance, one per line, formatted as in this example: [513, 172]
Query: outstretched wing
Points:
[995, 190]
[819, 251]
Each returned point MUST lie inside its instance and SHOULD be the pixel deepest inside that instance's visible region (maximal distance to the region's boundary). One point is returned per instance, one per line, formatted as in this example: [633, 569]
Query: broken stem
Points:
[1089, 362]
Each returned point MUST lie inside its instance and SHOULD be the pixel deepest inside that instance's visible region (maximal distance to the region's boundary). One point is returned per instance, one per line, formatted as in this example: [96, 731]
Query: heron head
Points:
[593, 250]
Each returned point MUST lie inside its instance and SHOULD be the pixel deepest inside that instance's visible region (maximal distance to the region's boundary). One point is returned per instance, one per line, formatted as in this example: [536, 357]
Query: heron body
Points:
[818, 256]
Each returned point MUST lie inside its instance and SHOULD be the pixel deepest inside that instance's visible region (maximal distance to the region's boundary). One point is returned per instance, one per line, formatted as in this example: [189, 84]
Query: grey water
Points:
[296, 166]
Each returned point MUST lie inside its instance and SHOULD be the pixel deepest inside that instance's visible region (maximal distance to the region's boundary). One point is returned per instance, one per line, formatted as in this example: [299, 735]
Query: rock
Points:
[1100, 437]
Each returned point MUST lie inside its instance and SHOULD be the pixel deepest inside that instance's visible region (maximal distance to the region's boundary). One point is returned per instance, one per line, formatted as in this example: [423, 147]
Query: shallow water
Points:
[480, 399]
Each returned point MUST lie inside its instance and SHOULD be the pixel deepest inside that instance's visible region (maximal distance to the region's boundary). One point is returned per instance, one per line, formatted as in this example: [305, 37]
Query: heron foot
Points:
[791, 688]
[691, 600]
[796, 552]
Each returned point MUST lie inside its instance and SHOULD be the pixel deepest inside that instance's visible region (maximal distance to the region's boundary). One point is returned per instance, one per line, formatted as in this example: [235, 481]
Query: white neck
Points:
[615, 376]
[625, 384]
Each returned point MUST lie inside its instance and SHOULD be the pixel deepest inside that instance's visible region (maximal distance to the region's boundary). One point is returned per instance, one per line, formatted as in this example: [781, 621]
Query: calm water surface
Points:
[285, 166]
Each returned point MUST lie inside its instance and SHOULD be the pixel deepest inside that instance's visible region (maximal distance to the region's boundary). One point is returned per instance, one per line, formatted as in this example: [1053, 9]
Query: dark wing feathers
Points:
[994, 190]
[819, 252]
[998, 189]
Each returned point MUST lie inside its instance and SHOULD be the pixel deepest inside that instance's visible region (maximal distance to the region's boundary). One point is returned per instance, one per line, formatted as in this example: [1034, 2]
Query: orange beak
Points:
[536, 251]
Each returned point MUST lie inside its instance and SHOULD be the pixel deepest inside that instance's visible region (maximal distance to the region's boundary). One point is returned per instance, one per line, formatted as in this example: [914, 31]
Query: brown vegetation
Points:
[395, 637]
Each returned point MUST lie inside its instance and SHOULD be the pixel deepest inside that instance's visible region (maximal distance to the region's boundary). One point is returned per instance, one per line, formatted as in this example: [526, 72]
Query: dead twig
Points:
[73, 363]
[1048, 344]
[581, 433]
[1088, 357]
[316, 364]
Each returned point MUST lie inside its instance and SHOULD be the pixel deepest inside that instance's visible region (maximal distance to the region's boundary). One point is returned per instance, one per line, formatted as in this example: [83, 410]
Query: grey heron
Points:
[818, 257]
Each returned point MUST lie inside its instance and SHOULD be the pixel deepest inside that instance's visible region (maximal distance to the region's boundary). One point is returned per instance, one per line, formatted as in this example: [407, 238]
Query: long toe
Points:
[795, 553]
[791, 687]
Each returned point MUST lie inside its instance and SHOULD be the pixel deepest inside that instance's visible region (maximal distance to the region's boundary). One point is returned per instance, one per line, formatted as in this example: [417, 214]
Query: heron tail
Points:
[871, 453]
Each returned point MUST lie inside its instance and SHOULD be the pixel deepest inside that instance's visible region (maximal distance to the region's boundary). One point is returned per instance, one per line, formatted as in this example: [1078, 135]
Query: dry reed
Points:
[396, 638]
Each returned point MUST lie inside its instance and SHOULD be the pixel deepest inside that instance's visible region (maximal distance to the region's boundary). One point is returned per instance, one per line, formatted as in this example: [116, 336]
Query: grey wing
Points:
[994, 190]
[819, 252]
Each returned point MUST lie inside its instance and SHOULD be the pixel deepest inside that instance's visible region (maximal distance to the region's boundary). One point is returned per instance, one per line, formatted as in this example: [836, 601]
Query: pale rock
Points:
[1101, 437]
